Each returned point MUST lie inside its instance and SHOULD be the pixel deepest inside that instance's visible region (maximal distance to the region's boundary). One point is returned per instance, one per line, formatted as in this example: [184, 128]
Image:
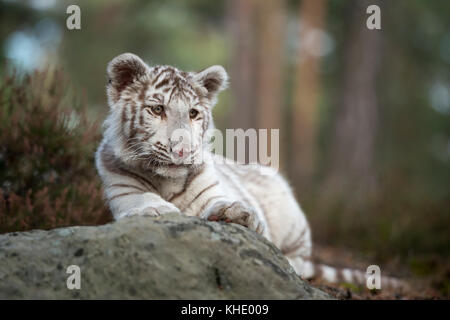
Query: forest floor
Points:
[425, 287]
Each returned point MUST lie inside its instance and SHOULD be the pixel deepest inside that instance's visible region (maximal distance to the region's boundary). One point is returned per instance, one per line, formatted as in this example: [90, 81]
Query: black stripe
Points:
[122, 195]
[157, 77]
[162, 83]
[205, 205]
[122, 185]
[298, 243]
[192, 175]
[200, 193]
[114, 165]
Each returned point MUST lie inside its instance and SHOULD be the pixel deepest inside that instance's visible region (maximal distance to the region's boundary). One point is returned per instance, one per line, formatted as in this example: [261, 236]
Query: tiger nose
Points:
[180, 152]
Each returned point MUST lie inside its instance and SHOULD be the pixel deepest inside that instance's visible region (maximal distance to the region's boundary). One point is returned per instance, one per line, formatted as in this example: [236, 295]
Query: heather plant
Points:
[47, 144]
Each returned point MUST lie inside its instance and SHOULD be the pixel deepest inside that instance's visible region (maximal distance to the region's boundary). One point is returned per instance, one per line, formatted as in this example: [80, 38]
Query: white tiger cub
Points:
[146, 171]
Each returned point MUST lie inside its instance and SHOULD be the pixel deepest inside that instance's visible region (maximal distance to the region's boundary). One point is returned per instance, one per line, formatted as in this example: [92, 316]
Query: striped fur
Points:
[137, 161]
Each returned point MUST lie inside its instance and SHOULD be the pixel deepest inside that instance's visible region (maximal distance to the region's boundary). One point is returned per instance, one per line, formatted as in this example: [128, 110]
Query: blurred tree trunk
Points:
[269, 98]
[312, 19]
[270, 21]
[242, 30]
[257, 30]
[353, 138]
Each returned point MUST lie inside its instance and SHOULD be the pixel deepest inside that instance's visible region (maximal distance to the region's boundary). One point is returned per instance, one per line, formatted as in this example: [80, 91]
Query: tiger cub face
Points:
[159, 115]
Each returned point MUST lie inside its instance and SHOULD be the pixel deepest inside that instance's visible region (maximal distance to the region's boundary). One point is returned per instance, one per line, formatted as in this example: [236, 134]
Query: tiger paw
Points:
[151, 211]
[235, 212]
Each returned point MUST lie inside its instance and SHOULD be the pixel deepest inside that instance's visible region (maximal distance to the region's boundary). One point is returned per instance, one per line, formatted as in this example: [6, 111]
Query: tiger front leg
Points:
[140, 204]
[150, 209]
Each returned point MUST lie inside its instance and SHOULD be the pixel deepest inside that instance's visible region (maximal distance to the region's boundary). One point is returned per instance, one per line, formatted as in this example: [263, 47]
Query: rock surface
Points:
[169, 257]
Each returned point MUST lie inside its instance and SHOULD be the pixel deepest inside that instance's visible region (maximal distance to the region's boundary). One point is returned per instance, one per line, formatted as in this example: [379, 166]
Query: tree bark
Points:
[242, 30]
[353, 139]
[269, 98]
[271, 21]
[257, 29]
[312, 19]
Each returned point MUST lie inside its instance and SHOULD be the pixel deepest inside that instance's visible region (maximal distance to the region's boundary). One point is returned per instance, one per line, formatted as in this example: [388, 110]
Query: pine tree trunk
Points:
[312, 19]
[353, 148]
[242, 31]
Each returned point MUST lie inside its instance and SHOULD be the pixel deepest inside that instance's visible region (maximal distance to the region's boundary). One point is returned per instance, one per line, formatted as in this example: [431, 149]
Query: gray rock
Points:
[169, 257]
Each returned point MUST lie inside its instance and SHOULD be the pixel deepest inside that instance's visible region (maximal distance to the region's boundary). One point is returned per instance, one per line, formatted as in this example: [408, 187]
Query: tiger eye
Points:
[158, 109]
[193, 113]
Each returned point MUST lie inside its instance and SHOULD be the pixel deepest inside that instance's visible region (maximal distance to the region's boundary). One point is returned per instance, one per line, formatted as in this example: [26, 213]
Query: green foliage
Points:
[47, 172]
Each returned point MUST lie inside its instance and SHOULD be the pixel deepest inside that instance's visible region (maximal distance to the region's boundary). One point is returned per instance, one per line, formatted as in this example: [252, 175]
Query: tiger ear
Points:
[122, 71]
[212, 80]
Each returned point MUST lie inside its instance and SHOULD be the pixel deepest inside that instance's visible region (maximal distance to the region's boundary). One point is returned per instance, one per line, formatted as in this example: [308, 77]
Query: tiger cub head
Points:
[159, 114]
